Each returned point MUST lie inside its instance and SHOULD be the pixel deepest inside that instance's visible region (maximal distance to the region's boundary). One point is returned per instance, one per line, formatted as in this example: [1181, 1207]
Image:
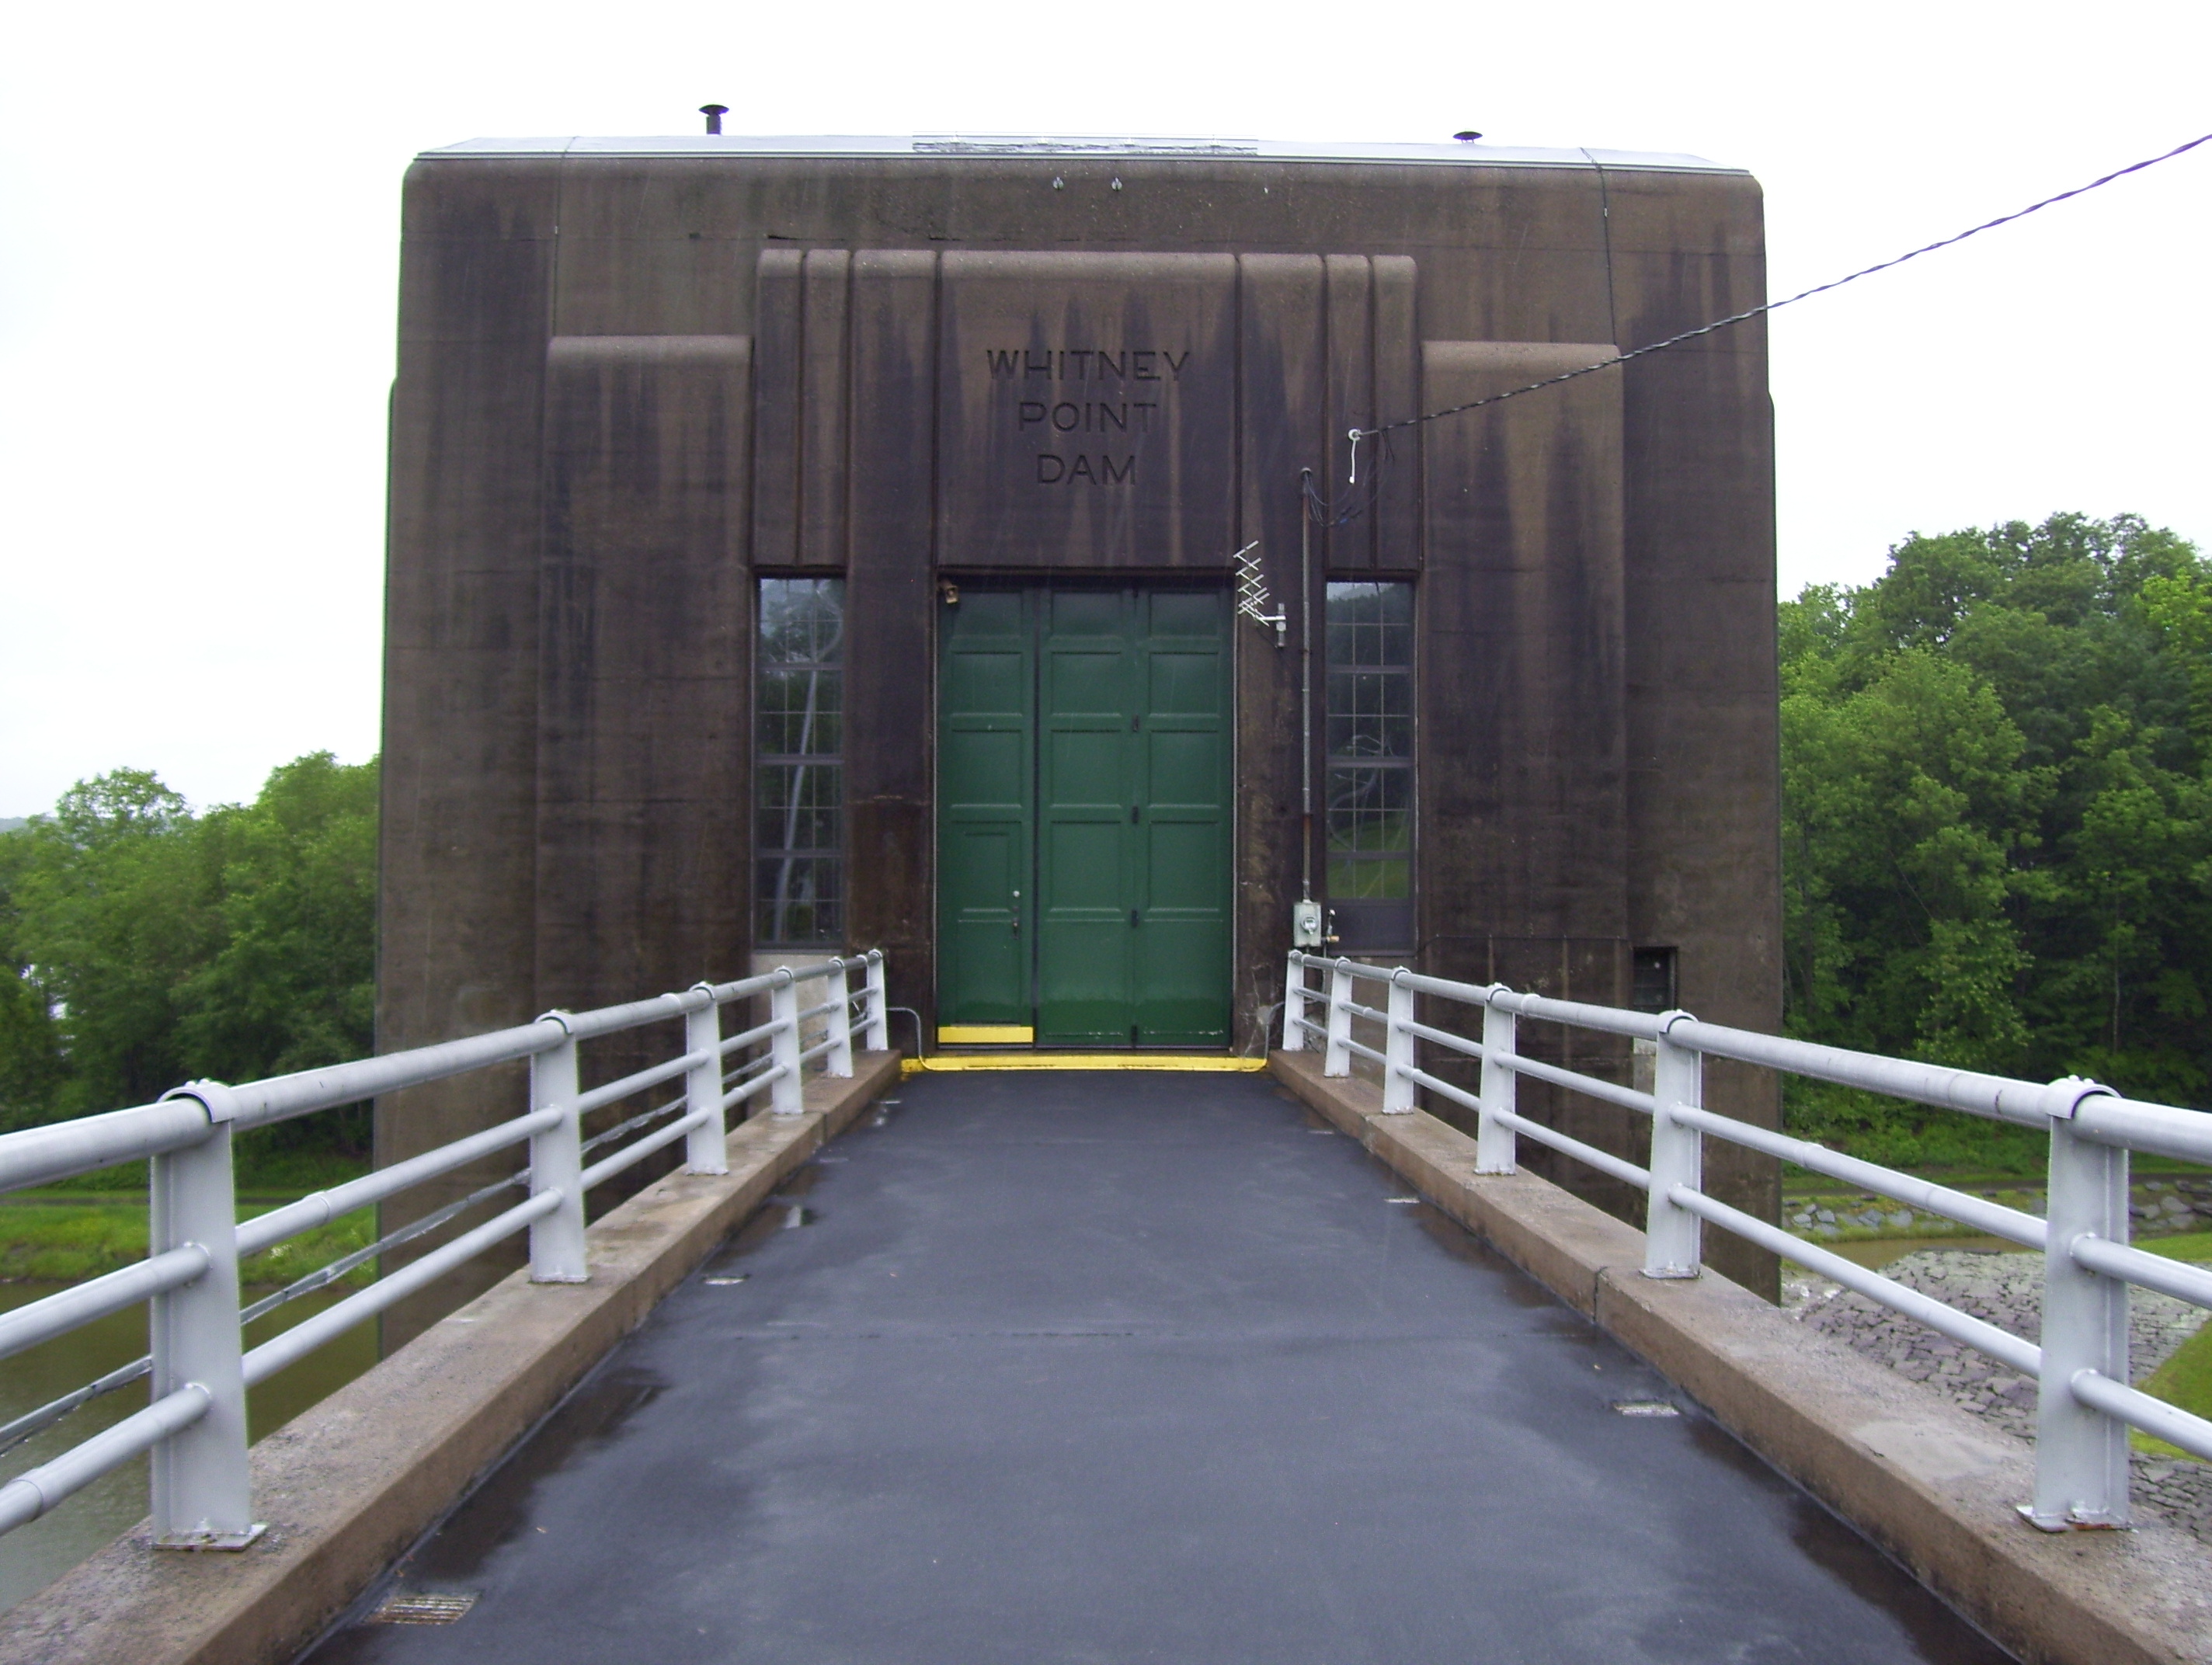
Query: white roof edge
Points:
[936, 147]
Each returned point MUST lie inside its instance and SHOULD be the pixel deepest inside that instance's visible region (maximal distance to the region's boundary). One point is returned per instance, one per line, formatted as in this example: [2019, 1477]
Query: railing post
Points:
[877, 1027]
[1337, 1061]
[203, 1497]
[1294, 1003]
[838, 1061]
[1672, 1234]
[704, 1149]
[2081, 1452]
[787, 1097]
[1494, 1146]
[1398, 1094]
[556, 1163]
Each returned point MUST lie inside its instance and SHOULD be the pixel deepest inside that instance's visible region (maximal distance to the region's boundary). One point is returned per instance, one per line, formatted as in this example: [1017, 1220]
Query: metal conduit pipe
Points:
[758, 1032]
[35, 1490]
[1627, 1097]
[1604, 1161]
[283, 1096]
[2169, 1423]
[39, 1156]
[1350, 968]
[636, 1014]
[630, 1155]
[723, 993]
[2014, 1224]
[812, 973]
[58, 1314]
[1636, 1026]
[1351, 1045]
[1639, 1025]
[2179, 1278]
[735, 1094]
[1610, 1092]
[2161, 1129]
[266, 1231]
[1995, 1097]
[2001, 1345]
[615, 1091]
[750, 1067]
[303, 1338]
[1458, 1043]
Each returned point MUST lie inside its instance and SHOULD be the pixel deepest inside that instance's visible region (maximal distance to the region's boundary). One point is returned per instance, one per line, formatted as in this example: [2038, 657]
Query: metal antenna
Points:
[1252, 597]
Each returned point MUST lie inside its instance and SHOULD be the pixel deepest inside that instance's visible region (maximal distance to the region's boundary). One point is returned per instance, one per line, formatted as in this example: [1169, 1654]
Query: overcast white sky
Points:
[199, 210]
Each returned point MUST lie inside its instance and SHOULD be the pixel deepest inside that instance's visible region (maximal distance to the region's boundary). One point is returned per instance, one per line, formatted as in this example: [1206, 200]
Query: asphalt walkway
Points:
[1120, 1367]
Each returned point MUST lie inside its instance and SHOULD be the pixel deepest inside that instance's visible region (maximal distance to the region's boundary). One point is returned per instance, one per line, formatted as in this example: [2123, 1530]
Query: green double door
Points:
[1083, 816]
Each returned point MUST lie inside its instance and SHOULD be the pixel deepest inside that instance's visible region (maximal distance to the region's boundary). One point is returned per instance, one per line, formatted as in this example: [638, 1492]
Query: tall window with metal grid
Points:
[799, 776]
[1368, 835]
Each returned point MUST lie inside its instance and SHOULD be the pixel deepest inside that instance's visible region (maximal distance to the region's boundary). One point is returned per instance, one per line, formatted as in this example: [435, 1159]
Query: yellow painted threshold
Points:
[1079, 1060]
[984, 1034]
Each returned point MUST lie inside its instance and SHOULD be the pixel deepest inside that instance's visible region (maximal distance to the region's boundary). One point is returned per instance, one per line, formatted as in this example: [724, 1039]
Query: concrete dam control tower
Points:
[800, 545]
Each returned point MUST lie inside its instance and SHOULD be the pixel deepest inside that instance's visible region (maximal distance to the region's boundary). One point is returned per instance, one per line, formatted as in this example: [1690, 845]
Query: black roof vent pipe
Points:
[714, 112]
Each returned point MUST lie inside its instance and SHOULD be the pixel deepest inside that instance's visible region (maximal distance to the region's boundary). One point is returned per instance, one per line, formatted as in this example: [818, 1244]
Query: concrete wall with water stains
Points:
[633, 377]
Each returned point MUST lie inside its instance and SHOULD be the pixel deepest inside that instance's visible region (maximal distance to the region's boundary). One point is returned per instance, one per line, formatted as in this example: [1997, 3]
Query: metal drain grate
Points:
[420, 1608]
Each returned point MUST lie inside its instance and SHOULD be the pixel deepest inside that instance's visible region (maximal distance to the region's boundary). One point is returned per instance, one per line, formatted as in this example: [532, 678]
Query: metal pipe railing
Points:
[2084, 1403]
[195, 1425]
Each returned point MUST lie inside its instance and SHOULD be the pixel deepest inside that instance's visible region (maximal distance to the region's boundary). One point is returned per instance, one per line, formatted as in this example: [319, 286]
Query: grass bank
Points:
[2185, 1379]
[65, 1233]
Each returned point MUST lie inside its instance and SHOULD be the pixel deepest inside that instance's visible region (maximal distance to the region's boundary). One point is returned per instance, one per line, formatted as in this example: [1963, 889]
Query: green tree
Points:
[32, 1063]
[293, 984]
[149, 946]
[1997, 813]
[114, 908]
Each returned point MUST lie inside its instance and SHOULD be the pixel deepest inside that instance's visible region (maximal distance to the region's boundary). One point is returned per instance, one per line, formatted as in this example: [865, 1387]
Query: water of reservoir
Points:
[33, 1556]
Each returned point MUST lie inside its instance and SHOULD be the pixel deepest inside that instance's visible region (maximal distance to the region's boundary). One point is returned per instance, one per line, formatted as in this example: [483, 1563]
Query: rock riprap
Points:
[2007, 1290]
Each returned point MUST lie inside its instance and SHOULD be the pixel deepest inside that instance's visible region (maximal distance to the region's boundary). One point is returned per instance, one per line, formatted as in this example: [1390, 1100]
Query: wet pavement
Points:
[1118, 1367]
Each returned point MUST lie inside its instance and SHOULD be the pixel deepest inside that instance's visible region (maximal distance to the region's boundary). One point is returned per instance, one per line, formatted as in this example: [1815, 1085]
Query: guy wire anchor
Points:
[1252, 597]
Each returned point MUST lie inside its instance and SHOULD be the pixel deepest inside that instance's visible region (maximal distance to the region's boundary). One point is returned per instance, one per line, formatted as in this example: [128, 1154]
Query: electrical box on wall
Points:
[1305, 925]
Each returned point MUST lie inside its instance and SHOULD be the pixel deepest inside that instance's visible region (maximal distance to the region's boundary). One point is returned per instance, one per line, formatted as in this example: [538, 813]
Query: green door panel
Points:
[986, 792]
[1083, 859]
[1182, 970]
[1084, 761]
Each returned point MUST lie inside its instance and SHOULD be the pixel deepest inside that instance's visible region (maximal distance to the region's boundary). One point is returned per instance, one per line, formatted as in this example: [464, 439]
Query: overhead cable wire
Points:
[1358, 434]
[1325, 512]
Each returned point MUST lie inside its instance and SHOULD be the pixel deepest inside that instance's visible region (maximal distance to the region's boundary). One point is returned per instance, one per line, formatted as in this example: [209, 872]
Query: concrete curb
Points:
[348, 1486]
[1918, 1476]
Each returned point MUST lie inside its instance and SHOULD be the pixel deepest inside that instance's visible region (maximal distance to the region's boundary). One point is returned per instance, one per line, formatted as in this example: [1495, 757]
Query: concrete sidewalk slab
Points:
[1114, 1367]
